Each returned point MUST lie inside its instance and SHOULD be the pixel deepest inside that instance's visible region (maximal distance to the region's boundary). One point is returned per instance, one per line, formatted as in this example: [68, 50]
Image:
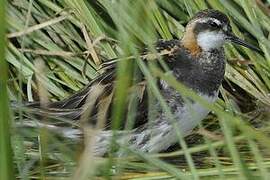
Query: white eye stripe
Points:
[205, 20]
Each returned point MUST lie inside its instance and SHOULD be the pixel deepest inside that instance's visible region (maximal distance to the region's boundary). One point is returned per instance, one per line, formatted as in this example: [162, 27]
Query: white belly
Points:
[187, 118]
[192, 114]
[161, 134]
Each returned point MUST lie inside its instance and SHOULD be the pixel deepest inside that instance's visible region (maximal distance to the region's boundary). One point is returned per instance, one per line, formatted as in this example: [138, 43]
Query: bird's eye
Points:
[213, 24]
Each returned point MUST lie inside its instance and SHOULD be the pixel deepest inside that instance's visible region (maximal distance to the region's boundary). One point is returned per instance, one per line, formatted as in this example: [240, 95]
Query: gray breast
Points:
[203, 73]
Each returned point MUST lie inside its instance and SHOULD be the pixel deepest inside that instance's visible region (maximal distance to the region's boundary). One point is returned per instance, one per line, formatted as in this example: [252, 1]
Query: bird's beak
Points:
[231, 37]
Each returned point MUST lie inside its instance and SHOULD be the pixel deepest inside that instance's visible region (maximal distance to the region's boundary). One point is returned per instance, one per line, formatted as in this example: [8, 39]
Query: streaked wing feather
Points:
[72, 107]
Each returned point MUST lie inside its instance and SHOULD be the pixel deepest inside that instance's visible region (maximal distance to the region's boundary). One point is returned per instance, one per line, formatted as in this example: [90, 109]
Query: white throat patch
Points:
[210, 40]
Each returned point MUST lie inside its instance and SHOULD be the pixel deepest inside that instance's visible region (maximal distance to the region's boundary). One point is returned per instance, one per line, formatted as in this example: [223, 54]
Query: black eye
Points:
[213, 24]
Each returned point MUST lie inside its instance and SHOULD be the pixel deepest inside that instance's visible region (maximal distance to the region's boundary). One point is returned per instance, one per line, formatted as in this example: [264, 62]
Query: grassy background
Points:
[6, 162]
[72, 39]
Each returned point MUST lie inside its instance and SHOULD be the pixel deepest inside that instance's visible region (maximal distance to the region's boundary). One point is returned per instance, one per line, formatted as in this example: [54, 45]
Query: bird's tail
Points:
[61, 116]
[60, 121]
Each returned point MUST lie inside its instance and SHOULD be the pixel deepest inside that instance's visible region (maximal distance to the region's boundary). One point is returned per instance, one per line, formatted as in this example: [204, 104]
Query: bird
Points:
[197, 60]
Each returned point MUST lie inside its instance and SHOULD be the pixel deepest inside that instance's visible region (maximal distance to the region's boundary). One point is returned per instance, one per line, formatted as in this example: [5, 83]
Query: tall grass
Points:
[6, 160]
[74, 37]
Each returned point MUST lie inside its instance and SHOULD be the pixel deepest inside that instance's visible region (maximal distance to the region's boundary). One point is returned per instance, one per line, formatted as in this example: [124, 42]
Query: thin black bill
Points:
[239, 41]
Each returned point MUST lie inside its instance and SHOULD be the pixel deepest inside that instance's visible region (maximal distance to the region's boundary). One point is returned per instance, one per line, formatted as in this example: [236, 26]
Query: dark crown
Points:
[210, 19]
[211, 13]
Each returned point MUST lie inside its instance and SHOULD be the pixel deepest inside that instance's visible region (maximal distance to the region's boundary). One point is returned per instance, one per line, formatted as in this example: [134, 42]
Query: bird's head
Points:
[210, 29]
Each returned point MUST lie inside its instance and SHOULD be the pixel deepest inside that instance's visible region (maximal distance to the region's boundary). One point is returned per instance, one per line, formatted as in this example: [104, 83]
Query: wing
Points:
[96, 98]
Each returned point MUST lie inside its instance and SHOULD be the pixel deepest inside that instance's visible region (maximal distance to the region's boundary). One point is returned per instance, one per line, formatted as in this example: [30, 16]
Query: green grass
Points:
[6, 159]
[72, 38]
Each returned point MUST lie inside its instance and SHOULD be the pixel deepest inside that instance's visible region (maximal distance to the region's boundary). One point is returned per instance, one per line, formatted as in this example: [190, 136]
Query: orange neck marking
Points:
[189, 41]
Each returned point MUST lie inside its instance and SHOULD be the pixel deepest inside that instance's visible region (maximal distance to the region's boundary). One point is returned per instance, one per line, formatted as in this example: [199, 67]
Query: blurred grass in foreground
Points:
[74, 37]
[6, 160]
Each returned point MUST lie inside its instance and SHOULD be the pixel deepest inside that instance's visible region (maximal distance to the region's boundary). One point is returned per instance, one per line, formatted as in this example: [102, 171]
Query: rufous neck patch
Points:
[189, 41]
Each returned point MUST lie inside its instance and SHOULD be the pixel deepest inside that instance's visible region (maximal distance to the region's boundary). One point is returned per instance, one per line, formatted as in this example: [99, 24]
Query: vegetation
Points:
[54, 48]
